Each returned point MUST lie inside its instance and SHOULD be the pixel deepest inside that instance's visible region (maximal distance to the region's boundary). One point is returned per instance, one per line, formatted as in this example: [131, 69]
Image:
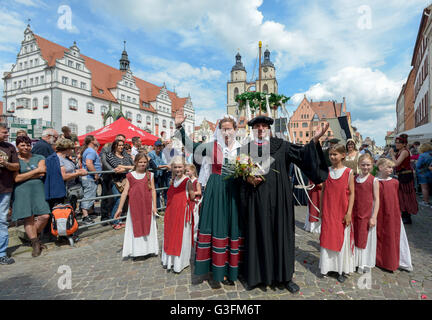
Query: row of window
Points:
[74, 64]
[422, 111]
[128, 84]
[74, 83]
[422, 50]
[329, 133]
[24, 103]
[305, 124]
[422, 76]
[31, 64]
[30, 48]
[32, 81]
[90, 108]
[128, 99]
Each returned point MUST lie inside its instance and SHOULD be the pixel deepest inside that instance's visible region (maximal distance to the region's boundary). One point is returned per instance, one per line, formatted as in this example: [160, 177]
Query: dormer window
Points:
[101, 91]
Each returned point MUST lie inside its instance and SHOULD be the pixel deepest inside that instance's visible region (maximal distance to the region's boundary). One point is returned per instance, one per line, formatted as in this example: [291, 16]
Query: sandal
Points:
[117, 227]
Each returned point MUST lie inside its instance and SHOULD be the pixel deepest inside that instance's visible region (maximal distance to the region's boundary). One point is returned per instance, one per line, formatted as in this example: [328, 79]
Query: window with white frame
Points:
[139, 118]
[134, 100]
[78, 66]
[122, 96]
[83, 85]
[42, 79]
[104, 110]
[164, 123]
[35, 103]
[12, 107]
[45, 102]
[148, 118]
[65, 80]
[129, 115]
[31, 81]
[90, 107]
[90, 129]
[70, 63]
[73, 127]
[128, 99]
[74, 83]
[31, 63]
[36, 81]
[24, 83]
[156, 121]
[73, 104]
[36, 62]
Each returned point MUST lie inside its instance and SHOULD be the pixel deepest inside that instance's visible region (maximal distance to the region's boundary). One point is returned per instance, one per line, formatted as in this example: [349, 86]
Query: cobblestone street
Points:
[98, 272]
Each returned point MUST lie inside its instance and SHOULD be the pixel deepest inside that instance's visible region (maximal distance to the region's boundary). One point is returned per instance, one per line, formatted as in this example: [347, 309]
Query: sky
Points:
[360, 50]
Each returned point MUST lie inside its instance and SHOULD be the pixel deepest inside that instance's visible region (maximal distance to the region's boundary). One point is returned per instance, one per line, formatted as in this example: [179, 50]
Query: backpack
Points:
[64, 222]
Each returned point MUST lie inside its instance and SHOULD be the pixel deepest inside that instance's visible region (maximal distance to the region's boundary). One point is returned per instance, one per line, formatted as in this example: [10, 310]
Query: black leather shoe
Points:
[341, 278]
[227, 282]
[292, 287]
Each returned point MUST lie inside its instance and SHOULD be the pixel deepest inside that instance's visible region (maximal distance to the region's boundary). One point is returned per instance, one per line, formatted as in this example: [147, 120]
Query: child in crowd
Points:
[336, 239]
[140, 236]
[194, 205]
[312, 223]
[392, 244]
[176, 251]
[365, 211]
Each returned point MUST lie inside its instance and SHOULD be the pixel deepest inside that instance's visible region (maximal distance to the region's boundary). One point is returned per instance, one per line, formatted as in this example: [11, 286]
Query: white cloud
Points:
[370, 98]
[200, 82]
[11, 30]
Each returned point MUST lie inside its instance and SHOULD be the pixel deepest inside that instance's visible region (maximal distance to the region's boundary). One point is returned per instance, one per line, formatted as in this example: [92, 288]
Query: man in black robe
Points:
[267, 204]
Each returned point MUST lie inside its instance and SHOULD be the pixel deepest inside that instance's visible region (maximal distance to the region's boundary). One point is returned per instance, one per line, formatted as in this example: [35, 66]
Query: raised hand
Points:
[321, 132]
[179, 117]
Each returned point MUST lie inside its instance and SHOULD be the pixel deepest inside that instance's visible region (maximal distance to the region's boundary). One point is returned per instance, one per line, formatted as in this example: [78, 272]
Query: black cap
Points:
[260, 119]
[334, 140]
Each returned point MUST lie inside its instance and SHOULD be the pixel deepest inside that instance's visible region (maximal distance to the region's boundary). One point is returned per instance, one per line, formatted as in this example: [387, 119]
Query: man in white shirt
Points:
[136, 144]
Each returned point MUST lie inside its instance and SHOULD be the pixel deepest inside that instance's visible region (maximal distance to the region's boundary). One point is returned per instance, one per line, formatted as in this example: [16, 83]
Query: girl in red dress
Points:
[407, 195]
[392, 245]
[140, 236]
[365, 211]
[194, 205]
[177, 241]
[312, 223]
[336, 240]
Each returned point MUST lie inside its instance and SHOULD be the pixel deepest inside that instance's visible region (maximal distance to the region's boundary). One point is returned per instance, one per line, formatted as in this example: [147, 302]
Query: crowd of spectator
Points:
[37, 176]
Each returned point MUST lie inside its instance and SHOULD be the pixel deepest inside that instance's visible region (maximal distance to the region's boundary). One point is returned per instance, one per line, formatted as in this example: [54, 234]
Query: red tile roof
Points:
[105, 77]
[325, 109]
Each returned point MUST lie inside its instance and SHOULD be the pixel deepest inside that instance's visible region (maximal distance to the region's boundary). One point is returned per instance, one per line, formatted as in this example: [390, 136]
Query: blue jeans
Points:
[4, 233]
[116, 204]
[89, 189]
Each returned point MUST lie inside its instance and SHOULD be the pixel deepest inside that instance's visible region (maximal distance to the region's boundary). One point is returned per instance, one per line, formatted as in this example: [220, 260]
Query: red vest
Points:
[362, 210]
[175, 218]
[388, 226]
[140, 205]
[335, 206]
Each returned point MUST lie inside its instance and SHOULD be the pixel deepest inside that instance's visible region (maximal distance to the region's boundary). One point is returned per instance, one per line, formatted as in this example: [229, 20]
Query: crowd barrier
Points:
[101, 223]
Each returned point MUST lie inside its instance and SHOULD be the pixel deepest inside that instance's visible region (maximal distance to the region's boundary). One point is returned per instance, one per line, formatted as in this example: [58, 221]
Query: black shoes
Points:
[6, 260]
[87, 220]
[227, 282]
[341, 278]
[292, 287]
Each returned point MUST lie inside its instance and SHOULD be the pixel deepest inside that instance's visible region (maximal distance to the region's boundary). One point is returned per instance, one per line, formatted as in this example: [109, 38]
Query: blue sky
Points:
[327, 50]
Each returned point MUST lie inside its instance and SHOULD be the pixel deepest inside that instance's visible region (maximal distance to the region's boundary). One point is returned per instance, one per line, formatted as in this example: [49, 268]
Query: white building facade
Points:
[61, 85]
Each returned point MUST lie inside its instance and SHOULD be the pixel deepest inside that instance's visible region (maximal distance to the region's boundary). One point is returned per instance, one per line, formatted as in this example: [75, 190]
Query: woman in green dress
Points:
[220, 242]
[29, 194]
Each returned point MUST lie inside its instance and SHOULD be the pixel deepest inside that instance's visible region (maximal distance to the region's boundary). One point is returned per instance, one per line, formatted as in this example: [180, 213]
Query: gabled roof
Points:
[105, 77]
[325, 109]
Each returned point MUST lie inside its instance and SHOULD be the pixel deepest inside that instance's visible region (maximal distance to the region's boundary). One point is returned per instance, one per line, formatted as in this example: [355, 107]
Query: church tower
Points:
[239, 84]
[124, 61]
[236, 85]
[268, 75]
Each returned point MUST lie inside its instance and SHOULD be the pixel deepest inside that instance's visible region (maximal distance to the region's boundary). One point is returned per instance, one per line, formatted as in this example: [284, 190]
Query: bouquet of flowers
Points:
[244, 167]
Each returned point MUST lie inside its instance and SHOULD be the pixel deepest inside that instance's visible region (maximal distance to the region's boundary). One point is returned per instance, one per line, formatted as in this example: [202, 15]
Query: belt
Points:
[405, 171]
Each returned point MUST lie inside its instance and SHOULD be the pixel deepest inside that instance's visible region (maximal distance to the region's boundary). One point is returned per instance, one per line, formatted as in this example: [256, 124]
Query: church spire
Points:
[124, 61]
[239, 64]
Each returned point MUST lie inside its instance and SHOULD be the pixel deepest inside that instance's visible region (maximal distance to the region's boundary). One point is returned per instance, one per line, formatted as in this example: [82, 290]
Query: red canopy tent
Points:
[109, 132]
